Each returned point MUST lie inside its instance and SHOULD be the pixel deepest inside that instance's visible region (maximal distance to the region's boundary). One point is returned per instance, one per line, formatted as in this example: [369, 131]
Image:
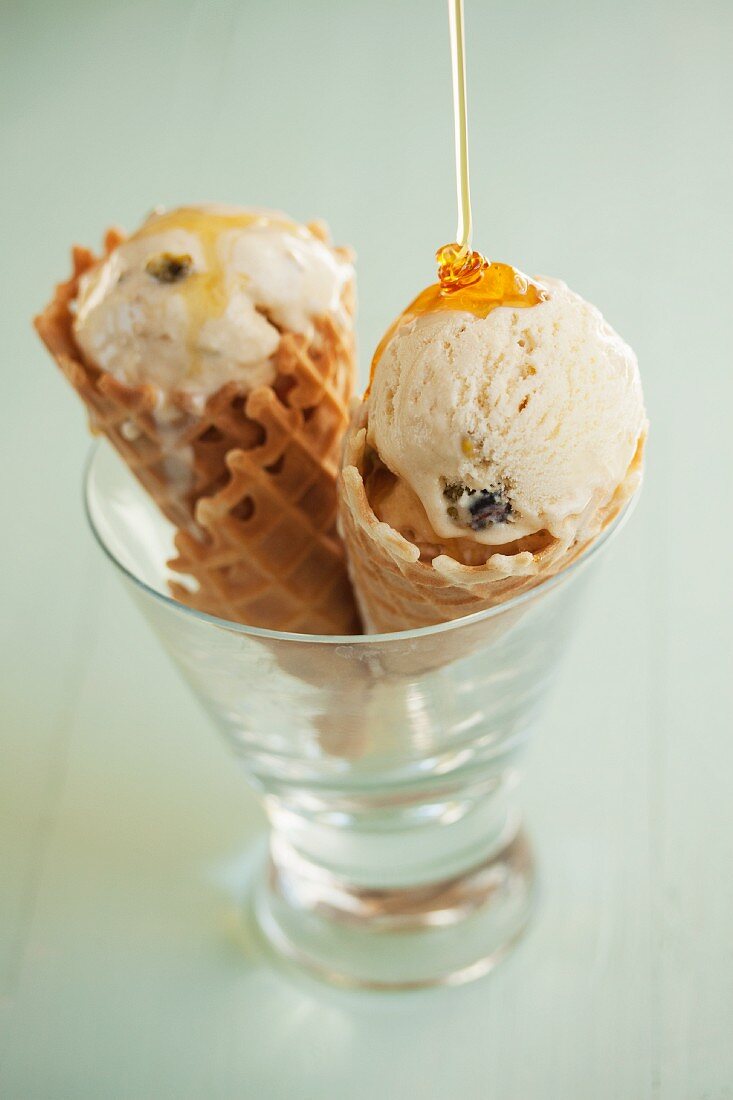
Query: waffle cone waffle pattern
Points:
[248, 479]
[398, 591]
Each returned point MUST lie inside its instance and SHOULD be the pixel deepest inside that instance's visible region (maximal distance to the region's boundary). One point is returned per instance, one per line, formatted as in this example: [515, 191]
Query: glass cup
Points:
[387, 764]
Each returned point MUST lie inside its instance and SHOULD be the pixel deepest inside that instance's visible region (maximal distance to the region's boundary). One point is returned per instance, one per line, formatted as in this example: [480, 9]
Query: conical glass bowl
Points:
[386, 764]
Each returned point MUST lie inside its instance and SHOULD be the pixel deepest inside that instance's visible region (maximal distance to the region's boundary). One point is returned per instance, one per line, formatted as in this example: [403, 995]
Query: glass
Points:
[387, 764]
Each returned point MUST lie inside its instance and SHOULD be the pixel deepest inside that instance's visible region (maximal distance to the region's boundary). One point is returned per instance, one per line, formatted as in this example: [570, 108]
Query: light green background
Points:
[600, 152]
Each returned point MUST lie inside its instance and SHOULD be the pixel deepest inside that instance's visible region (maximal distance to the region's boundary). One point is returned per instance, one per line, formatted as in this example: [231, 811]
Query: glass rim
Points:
[554, 581]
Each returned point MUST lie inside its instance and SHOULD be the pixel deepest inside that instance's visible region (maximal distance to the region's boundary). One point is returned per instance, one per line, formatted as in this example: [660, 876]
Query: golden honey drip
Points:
[468, 283]
[460, 119]
[205, 291]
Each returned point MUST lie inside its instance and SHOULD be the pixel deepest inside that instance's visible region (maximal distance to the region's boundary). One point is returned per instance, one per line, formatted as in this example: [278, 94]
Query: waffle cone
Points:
[396, 590]
[248, 479]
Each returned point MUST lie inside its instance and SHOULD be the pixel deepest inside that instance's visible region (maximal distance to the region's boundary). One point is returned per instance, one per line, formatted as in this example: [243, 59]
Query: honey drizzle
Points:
[460, 119]
[205, 292]
[467, 281]
[472, 285]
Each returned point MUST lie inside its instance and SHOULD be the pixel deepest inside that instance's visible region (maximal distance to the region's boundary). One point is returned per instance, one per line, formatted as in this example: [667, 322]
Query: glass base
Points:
[441, 933]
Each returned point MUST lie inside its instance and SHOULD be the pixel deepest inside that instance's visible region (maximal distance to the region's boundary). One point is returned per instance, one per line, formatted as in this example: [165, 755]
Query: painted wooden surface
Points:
[601, 151]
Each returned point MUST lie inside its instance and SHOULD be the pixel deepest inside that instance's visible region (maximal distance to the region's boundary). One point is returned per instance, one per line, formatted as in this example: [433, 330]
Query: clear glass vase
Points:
[387, 764]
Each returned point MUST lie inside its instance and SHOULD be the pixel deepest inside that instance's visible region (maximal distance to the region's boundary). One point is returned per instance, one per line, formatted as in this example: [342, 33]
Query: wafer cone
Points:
[248, 478]
[396, 590]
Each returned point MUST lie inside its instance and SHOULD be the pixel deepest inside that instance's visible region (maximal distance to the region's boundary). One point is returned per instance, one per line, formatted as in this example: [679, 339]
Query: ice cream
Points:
[510, 424]
[494, 445]
[199, 296]
[214, 349]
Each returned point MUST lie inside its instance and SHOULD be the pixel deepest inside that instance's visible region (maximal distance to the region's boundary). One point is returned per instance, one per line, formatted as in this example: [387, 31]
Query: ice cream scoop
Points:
[214, 349]
[199, 296]
[502, 432]
[510, 424]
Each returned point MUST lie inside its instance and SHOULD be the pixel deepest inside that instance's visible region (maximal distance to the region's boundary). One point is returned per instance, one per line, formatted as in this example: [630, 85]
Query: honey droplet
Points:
[458, 268]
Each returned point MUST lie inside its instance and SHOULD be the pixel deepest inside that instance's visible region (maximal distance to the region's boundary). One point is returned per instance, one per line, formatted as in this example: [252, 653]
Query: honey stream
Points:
[467, 281]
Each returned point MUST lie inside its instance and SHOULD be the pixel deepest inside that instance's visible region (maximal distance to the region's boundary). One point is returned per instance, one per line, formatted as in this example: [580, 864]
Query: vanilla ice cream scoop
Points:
[503, 426]
[199, 296]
